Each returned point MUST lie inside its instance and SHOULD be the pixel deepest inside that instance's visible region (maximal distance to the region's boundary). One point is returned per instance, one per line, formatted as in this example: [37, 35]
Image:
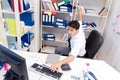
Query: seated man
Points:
[77, 43]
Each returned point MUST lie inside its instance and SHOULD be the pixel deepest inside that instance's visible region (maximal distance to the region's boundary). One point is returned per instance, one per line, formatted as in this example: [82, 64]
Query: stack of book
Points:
[50, 37]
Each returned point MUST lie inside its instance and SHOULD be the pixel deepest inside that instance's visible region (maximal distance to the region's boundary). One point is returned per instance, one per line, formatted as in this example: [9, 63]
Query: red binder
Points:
[55, 5]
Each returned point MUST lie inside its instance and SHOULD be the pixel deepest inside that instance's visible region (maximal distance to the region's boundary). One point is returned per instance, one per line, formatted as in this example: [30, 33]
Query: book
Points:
[25, 39]
[60, 23]
[26, 5]
[13, 8]
[55, 5]
[47, 5]
[63, 2]
[48, 37]
[103, 11]
[66, 7]
[20, 5]
[11, 24]
[28, 18]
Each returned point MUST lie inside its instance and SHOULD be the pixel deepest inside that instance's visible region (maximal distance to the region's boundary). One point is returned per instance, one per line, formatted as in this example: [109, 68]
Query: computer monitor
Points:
[18, 64]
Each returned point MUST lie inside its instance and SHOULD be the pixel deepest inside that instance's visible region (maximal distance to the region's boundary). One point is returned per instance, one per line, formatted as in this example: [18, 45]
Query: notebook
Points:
[52, 58]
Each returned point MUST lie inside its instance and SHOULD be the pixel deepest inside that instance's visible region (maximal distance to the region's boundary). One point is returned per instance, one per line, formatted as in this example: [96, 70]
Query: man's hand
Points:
[55, 67]
[81, 11]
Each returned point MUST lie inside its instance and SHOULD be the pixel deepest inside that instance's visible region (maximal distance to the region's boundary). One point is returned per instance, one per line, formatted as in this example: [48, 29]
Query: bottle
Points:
[85, 71]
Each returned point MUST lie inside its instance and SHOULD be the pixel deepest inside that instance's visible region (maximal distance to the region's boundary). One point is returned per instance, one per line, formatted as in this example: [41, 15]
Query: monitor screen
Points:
[17, 63]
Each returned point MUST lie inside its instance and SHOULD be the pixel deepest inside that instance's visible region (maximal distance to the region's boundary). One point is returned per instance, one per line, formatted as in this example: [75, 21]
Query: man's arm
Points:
[81, 11]
[57, 66]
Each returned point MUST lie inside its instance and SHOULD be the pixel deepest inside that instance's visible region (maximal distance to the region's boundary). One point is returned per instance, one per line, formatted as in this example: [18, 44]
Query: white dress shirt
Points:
[78, 42]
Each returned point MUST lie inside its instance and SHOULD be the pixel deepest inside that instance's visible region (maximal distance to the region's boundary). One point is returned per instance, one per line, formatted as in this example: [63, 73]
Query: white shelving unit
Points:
[94, 17]
[57, 31]
[21, 28]
[93, 6]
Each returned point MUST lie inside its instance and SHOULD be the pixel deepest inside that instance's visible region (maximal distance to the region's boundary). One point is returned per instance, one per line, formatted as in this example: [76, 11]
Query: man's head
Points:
[73, 27]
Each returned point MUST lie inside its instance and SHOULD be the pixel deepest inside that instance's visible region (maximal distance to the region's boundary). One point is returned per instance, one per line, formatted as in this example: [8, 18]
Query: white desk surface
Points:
[100, 68]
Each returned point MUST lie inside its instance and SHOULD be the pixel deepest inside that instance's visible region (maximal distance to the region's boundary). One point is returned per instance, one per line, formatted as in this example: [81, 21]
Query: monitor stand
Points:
[11, 75]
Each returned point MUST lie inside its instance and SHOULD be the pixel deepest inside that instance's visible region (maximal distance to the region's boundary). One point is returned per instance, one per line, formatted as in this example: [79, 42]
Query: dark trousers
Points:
[62, 51]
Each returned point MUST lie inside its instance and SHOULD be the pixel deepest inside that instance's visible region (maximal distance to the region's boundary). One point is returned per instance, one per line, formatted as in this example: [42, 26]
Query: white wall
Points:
[110, 50]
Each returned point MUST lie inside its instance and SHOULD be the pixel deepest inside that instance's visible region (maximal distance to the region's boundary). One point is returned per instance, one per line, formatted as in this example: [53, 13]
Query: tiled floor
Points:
[48, 49]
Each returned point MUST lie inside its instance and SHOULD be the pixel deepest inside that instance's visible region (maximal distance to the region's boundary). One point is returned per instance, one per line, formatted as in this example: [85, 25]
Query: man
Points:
[77, 43]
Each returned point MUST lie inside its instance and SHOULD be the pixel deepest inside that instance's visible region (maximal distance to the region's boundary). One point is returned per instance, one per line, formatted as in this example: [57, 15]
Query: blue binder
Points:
[66, 7]
[46, 19]
[25, 39]
[60, 23]
[53, 20]
[27, 17]
[43, 19]
[48, 37]
[26, 5]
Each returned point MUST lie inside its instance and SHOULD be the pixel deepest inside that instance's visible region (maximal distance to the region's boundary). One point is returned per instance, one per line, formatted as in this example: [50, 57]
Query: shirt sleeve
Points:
[76, 48]
[80, 22]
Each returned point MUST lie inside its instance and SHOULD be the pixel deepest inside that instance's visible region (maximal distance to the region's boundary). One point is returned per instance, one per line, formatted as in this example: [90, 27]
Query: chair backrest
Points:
[93, 43]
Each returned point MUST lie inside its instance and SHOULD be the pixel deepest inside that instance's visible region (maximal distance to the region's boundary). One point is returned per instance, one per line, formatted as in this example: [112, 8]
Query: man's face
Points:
[72, 31]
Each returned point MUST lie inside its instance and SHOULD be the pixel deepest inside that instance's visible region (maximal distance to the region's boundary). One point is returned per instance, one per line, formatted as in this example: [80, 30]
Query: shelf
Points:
[56, 11]
[57, 31]
[20, 25]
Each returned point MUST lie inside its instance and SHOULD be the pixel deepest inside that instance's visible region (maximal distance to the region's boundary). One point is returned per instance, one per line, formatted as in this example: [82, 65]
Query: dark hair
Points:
[74, 24]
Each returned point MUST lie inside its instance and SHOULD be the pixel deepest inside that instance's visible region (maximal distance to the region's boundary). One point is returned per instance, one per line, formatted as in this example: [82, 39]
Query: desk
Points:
[100, 68]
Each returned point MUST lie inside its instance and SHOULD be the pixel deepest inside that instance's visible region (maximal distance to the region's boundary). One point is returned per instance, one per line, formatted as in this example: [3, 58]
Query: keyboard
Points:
[45, 71]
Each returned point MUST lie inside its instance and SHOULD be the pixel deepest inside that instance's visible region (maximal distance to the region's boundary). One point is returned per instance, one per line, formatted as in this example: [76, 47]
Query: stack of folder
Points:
[51, 20]
[60, 23]
[66, 7]
[48, 19]
[50, 37]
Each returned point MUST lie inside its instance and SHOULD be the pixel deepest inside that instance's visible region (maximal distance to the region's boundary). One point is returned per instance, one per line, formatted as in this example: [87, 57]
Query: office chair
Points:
[93, 43]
